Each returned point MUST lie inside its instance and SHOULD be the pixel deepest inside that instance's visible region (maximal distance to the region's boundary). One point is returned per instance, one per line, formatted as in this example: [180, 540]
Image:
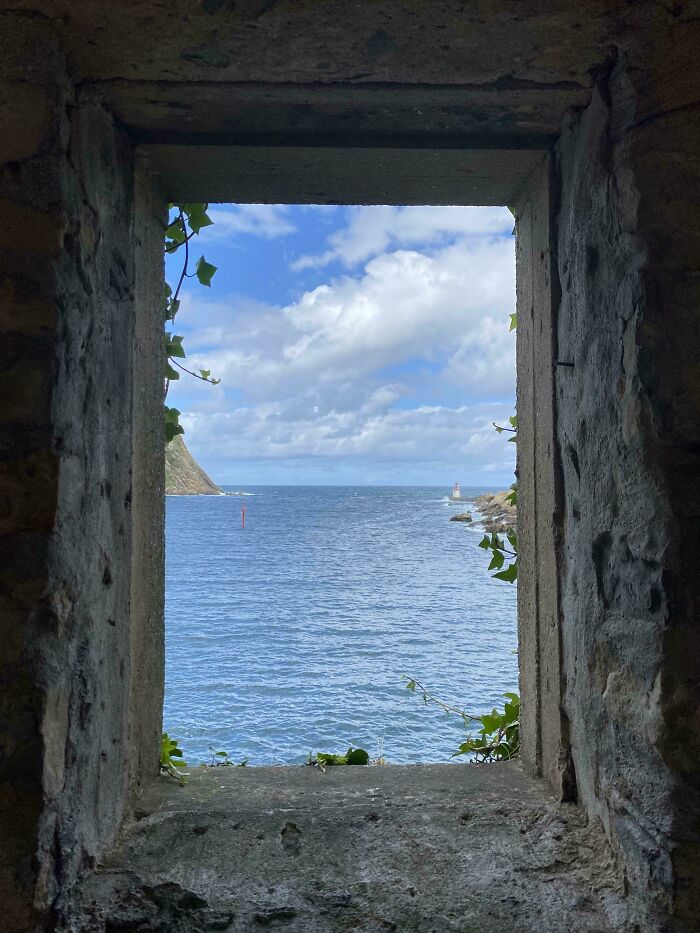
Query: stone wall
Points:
[69, 287]
[628, 434]
[614, 433]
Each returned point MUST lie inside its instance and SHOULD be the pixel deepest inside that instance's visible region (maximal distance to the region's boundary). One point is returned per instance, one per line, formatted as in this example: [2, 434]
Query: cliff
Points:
[183, 475]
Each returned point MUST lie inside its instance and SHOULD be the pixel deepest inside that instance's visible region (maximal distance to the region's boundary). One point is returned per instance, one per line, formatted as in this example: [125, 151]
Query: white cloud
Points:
[268, 221]
[449, 310]
[408, 360]
[373, 433]
[372, 230]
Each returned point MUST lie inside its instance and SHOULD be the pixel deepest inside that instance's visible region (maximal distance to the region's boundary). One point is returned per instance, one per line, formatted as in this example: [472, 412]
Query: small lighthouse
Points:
[456, 492]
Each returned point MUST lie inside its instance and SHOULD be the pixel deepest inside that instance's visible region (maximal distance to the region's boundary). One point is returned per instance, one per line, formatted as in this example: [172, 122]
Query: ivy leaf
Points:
[411, 685]
[175, 231]
[173, 346]
[171, 373]
[485, 543]
[172, 429]
[510, 574]
[357, 756]
[204, 271]
[497, 561]
[171, 309]
[492, 722]
[205, 373]
[197, 216]
[513, 322]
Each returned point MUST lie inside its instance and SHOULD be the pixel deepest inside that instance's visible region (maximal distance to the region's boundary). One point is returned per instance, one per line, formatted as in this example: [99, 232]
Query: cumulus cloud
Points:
[449, 310]
[372, 230]
[268, 221]
[407, 359]
[373, 432]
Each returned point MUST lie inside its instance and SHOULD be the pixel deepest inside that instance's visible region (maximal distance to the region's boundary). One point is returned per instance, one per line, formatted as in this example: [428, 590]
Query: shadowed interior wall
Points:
[80, 366]
[628, 413]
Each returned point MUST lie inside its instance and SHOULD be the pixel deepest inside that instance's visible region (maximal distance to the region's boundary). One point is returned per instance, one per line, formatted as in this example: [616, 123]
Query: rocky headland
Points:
[183, 475]
[498, 514]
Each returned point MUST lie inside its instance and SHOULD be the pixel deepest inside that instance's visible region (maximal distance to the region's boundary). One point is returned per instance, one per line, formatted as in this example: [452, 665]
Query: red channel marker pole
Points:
[243, 517]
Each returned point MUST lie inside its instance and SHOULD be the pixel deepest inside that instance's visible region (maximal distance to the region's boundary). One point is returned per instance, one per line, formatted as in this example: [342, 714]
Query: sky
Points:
[355, 346]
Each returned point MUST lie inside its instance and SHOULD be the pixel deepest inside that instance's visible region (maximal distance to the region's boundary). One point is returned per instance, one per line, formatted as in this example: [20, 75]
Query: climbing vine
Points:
[498, 739]
[185, 221]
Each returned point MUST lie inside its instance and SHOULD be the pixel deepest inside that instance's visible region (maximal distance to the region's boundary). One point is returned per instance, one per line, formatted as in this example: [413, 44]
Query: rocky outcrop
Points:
[498, 513]
[461, 517]
[183, 475]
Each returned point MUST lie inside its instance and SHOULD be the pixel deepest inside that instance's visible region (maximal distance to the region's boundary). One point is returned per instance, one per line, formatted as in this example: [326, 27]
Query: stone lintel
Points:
[333, 175]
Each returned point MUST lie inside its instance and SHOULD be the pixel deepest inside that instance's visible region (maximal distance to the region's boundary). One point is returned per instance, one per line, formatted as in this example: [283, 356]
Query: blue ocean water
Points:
[291, 635]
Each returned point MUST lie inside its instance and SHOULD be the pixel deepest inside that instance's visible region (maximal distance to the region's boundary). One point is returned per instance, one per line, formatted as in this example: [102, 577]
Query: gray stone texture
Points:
[74, 428]
[629, 454]
[423, 848]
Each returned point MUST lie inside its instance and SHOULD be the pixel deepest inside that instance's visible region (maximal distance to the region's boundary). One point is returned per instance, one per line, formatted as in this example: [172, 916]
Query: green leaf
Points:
[205, 373]
[173, 346]
[497, 561]
[510, 574]
[204, 271]
[171, 373]
[411, 685]
[174, 231]
[197, 216]
[327, 758]
[513, 322]
[485, 543]
[492, 721]
[171, 309]
[221, 754]
[357, 756]
[172, 424]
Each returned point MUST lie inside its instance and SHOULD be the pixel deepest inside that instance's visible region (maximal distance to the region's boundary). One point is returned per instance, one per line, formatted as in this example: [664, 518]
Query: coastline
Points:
[497, 513]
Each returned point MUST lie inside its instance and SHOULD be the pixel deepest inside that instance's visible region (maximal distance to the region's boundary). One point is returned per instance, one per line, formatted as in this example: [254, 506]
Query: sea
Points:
[294, 633]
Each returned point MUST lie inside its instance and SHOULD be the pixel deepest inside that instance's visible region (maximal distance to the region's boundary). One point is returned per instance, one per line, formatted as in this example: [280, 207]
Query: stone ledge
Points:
[411, 847]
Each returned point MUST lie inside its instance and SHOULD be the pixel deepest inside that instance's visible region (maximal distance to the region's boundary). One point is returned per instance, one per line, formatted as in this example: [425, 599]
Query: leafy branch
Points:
[171, 758]
[428, 697]
[501, 553]
[188, 220]
[353, 756]
[498, 739]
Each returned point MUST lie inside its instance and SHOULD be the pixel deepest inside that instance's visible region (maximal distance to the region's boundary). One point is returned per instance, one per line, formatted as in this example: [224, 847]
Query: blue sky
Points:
[356, 345]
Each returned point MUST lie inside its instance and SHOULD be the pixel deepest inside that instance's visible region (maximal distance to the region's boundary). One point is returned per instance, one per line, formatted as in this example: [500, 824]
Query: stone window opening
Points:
[583, 122]
[265, 709]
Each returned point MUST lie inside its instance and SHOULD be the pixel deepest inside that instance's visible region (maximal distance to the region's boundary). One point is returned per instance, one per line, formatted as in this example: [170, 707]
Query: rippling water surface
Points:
[292, 635]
